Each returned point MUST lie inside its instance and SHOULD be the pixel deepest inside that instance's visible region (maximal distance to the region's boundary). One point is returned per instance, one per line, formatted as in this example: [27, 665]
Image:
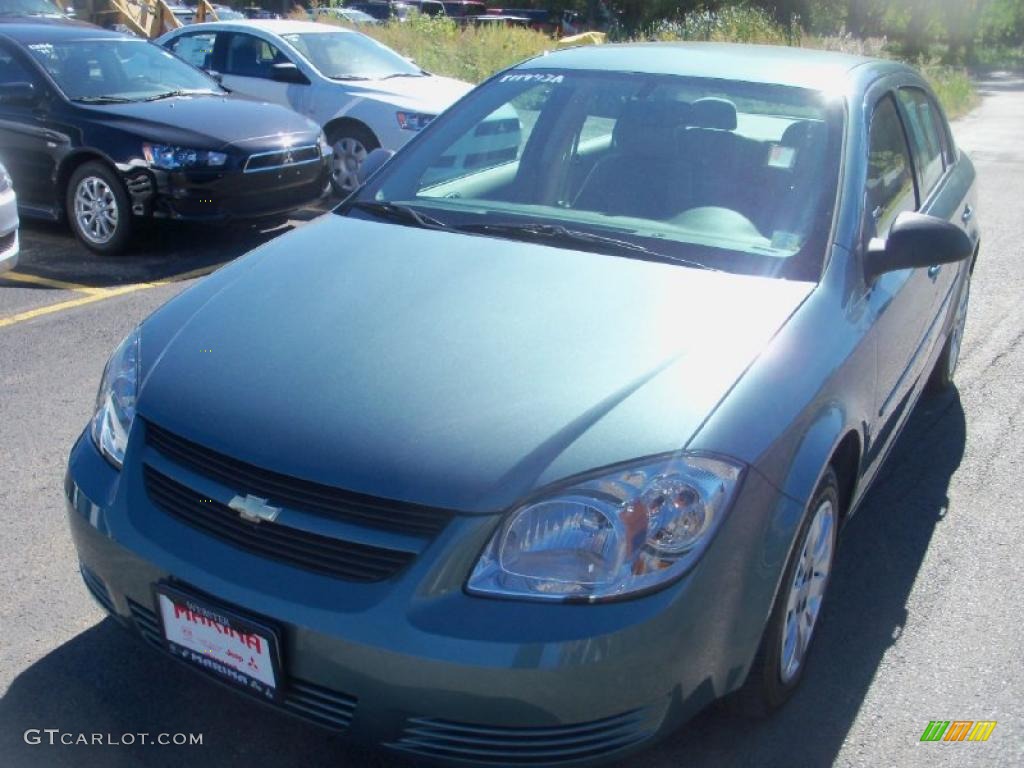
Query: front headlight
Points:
[170, 158]
[413, 121]
[115, 401]
[629, 531]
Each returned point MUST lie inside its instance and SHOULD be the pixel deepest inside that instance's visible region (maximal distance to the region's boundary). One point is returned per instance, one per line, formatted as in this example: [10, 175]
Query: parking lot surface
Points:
[923, 621]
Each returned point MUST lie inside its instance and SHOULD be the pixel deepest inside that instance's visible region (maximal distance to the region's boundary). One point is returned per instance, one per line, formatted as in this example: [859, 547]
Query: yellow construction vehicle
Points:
[146, 18]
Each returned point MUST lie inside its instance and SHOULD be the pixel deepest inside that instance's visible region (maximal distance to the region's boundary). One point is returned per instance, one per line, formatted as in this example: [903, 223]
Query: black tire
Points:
[944, 373]
[348, 132]
[99, 240]
[764, 690]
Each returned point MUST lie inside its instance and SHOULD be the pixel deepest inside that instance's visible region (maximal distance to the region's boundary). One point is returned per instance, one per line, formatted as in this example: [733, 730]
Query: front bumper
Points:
[415, 664]
[218, 195]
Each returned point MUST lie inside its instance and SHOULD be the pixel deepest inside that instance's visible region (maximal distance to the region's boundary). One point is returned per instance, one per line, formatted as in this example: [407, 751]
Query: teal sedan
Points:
[530, 456]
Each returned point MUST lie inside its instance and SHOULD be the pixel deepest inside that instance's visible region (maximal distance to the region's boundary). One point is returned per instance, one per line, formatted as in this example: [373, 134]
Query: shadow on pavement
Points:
[104, 680]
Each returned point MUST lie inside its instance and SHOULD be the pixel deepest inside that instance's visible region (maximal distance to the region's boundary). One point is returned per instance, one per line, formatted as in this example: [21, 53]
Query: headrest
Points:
[711, 112]
[801, 133]
[650, 125]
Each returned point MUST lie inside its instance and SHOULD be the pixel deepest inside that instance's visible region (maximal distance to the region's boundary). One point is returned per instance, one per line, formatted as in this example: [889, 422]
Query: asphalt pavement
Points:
[924, 620]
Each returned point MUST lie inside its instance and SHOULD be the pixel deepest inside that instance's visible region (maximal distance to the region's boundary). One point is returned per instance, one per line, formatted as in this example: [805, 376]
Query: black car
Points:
[105, 128]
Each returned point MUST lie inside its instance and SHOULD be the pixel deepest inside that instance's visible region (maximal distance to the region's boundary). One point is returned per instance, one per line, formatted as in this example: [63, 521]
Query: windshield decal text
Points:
[520, 78]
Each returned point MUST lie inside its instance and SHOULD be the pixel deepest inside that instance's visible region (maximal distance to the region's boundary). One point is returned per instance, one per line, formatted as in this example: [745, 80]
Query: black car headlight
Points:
[115, 401]
[170, 158]
[629, 531]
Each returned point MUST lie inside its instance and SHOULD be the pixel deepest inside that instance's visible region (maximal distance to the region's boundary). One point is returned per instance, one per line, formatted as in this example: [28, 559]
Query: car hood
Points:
[432, 93]
[448, 369]
[206, 122]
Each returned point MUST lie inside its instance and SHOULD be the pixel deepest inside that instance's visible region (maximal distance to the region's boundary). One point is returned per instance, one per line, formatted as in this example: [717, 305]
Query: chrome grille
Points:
[289, 157]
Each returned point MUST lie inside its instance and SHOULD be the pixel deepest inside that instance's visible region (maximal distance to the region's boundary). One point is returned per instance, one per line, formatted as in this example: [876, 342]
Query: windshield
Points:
[29, 8]
[116, 70]
[350, 55]
[731, 175]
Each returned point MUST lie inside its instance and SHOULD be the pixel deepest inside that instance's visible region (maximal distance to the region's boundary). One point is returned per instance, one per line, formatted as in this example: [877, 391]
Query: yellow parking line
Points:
[98, 294]
[49, 282]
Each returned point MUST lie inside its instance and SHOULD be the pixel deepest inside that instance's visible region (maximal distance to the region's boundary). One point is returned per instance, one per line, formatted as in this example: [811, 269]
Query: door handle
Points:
[967, 214]
[933, 271]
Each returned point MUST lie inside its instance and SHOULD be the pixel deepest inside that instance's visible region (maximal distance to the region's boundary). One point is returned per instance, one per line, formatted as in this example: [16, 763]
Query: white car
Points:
[8, 223]
[364, 94]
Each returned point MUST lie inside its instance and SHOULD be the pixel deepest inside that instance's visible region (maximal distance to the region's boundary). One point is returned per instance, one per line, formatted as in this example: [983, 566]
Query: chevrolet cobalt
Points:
[530, 463]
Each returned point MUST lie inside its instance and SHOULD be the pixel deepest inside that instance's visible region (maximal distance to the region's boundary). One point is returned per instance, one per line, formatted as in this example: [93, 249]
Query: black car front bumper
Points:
[204, 194]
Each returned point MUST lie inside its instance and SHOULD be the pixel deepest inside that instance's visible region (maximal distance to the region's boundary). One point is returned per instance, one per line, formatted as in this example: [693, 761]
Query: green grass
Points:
[474, 53]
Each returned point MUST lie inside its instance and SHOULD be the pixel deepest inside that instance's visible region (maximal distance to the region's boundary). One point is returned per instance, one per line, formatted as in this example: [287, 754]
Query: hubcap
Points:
[956, 335]
[349, 154]
[95, 209]
[803, 604]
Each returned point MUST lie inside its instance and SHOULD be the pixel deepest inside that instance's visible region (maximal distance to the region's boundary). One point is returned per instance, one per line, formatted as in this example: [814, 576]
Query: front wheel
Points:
[350, 144]
[782, 655]
[98, 208]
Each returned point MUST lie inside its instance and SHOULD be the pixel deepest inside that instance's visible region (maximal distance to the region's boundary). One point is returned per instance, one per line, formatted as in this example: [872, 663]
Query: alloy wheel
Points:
[96, 210]
[803, 604]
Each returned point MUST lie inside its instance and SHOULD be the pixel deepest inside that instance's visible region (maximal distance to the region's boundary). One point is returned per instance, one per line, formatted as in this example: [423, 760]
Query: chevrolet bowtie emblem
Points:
[254, 509]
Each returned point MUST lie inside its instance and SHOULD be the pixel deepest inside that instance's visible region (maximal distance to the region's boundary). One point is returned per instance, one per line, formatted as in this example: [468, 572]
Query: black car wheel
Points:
[98, 208]
[782, 655]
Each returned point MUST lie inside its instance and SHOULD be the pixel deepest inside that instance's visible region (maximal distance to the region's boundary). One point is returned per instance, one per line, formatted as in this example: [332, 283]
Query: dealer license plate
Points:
[220, 642]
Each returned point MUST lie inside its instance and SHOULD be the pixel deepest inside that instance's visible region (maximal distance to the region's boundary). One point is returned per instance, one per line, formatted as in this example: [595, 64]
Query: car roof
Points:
[273, 26]
[55, 30]
[770, 64]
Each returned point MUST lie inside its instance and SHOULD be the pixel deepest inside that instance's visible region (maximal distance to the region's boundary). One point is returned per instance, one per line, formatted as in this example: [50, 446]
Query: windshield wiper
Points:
[556, 233]
[404, 74]
[350, 77]
[397, 212]
[179, 92]
[102, 100]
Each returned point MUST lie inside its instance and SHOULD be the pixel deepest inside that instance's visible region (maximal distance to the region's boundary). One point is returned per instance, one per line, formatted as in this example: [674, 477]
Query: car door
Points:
[903, 301]
[28, 141]
[940, 195]
[247, 63]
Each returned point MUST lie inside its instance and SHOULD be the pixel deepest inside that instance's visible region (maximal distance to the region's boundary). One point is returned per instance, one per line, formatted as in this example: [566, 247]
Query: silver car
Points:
[8, 223]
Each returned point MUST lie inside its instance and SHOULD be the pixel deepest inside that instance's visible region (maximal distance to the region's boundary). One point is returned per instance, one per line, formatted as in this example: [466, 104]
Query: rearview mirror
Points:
[18, 94]
[286, 72]
[917, 240]
[373, 163]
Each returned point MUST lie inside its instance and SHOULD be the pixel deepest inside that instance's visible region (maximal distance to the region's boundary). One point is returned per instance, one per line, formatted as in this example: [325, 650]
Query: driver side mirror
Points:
[287, 72]
[373, 163]
[916, 240]
[21, 94]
